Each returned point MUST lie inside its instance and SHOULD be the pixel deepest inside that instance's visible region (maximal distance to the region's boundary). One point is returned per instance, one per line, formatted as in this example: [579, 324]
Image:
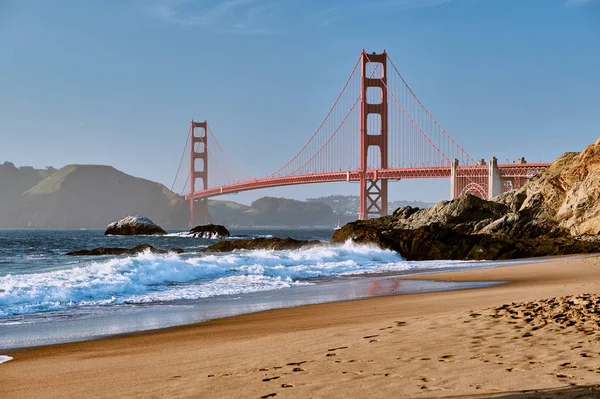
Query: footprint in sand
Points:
[563, 376]
[335, 349]
[371, 336]
[269, 395]
[287, 386]
[269, 379]
[296, 363]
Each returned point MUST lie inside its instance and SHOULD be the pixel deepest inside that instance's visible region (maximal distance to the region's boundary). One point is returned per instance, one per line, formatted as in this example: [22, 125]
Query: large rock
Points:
[467, 209]
[123, 251]
[133, 226]
[566, 193]
[260, 243]
[212, 231]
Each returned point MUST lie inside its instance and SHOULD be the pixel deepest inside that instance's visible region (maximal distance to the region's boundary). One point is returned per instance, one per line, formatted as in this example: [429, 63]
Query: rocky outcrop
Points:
[556, 213]
[437, 241]
[133, 226]
[123, 251]
[566, 193]
[211, 231]
[261, 243]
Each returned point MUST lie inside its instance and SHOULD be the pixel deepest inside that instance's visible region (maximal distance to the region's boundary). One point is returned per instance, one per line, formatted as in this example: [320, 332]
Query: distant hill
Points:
[92, 196]
[347, 206]
[271, 211]
[13, 182]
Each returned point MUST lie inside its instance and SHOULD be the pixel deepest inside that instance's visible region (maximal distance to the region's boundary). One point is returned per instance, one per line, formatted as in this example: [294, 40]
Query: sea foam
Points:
[4, 358]
[148, 278]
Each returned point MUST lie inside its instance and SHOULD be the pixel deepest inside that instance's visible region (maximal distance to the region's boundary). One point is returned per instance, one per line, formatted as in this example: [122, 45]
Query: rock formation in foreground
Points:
[123, 251]
[555, 213]
[273, 243]
[133, 226]
[211, 231]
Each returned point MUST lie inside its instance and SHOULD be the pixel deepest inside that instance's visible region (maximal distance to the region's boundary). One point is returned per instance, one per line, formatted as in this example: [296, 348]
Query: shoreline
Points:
[373, 347]
[96, 323]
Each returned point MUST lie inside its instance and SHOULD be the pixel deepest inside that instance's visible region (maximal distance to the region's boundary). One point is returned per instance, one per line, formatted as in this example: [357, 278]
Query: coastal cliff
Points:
[555, 213]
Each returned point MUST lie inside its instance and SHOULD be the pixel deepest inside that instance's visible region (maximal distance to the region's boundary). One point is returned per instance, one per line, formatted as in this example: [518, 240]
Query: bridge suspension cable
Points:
[329, 113]
[429, 114]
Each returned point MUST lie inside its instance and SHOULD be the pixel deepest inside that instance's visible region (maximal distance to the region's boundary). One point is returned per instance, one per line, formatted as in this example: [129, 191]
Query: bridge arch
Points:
[476, 189]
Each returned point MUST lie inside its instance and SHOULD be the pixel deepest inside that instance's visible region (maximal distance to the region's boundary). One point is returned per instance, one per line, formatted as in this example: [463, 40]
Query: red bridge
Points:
[377, 130]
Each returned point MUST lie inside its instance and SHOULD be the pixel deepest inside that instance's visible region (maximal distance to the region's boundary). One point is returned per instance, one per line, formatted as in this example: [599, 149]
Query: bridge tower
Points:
[198, 150]
[373, 134]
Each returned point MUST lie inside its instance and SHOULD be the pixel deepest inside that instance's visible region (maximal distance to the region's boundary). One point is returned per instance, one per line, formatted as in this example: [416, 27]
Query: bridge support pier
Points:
[199, 214]
[198, 151]
[373, 190]
[495, 184]
[455, 186]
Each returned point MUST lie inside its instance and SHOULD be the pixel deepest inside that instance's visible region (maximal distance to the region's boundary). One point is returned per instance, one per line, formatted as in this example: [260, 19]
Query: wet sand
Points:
[472, 343]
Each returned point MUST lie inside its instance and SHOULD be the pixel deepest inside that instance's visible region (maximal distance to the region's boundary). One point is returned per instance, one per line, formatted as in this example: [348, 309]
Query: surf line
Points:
[4, 358]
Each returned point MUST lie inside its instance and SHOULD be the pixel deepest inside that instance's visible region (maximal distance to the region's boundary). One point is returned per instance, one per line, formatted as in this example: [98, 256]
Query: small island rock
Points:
[123, 251]
[133, 226]
[212, 231]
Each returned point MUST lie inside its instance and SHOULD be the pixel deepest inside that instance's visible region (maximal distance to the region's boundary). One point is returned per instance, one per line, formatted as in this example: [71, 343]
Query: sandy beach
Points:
[503, 341]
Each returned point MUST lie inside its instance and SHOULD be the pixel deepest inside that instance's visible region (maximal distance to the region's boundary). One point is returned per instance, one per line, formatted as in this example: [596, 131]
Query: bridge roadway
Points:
[525, 170]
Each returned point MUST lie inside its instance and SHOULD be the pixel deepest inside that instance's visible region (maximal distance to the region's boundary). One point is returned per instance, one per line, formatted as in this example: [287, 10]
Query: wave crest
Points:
[147, 278]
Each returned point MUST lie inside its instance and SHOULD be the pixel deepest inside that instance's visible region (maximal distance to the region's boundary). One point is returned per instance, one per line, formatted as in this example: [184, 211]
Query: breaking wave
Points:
[149, 278]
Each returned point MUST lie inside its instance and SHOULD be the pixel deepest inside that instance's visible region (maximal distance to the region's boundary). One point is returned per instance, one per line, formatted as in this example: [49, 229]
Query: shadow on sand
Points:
[579, 392]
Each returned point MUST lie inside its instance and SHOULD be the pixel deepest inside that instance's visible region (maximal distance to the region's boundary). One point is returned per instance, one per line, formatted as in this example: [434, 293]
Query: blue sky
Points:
[117, 82]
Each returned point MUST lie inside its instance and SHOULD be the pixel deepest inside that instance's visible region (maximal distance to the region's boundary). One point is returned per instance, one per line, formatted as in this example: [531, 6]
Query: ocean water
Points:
[42, 291]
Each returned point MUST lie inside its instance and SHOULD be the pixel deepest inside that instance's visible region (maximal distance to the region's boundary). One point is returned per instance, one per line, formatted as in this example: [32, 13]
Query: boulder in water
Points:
[133, 226]
[212, 231]
[123, 251]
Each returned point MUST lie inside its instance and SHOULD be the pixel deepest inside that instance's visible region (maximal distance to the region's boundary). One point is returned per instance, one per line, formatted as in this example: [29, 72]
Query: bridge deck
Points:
[506, 170]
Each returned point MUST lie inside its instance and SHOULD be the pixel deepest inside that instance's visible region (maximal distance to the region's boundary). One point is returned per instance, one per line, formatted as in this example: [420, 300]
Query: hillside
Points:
[13, 182]
[87, 196]
[271, 211]
[92, 196]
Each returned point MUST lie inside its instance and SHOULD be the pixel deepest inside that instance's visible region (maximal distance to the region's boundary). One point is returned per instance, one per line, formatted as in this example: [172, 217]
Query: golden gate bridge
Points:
[377, 130]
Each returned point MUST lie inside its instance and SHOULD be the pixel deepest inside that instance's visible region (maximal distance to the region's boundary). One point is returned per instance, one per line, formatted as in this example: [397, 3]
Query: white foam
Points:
[4, 358]
[148, 278]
